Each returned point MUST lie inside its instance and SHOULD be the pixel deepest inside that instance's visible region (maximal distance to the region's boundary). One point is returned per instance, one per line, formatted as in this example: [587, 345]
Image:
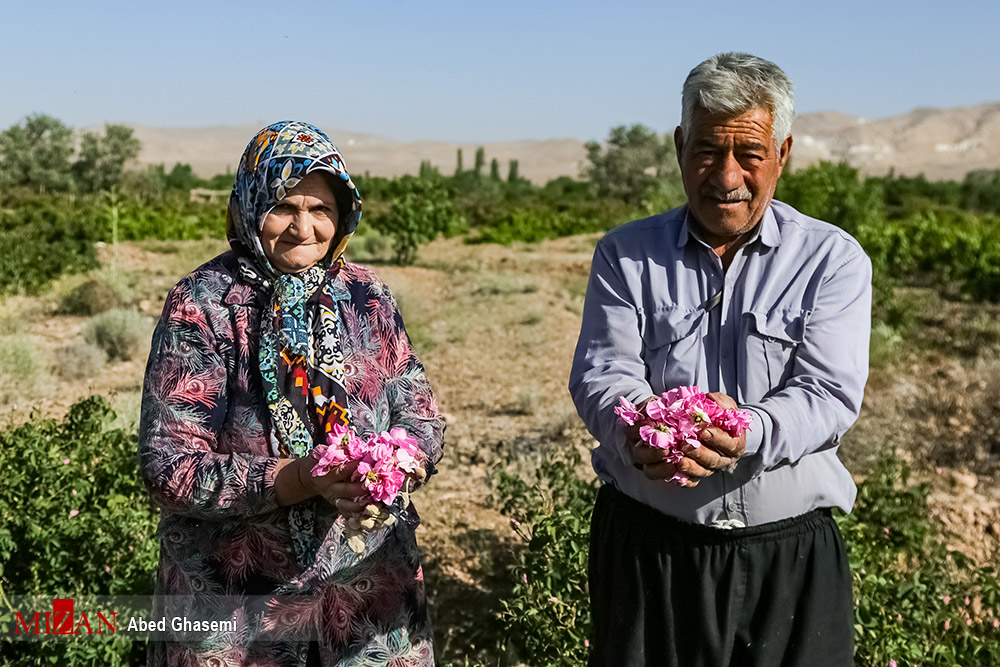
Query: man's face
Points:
[730, 167]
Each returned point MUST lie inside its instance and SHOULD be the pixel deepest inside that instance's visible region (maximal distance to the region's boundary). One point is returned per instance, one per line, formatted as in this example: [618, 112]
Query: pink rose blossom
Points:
[383, 480]
[65, 461]
[107, 569]
[73, 513]
[657, 437]
[627, 411]
[947, 625]
[946, 599]
[656, 410]
[996, 622]
[892, 663]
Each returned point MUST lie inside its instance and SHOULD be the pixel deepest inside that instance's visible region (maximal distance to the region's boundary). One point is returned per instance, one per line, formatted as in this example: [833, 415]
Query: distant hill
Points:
[940, 143]
[214, 150]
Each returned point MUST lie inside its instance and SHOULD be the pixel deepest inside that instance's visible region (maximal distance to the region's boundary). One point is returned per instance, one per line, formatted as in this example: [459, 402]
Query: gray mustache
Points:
[740, 194]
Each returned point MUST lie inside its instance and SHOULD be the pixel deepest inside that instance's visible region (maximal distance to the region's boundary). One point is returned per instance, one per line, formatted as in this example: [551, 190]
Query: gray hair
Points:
[734, 83]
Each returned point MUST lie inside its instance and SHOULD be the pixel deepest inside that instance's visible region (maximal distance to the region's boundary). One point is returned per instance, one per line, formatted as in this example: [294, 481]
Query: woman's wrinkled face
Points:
[298, 231]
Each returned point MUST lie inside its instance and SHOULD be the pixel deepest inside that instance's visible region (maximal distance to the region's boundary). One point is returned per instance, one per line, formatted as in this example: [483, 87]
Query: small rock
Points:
[963, 480]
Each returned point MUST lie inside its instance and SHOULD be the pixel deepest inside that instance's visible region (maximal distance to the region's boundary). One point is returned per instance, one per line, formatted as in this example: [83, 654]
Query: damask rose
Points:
[675, 419]
[387, 463]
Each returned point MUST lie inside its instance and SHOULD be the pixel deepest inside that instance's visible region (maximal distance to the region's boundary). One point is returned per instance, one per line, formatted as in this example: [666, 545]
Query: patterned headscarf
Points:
[301, 360]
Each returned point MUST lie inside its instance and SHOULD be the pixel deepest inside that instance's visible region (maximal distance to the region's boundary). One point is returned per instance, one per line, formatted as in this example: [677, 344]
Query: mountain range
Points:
[939, 143]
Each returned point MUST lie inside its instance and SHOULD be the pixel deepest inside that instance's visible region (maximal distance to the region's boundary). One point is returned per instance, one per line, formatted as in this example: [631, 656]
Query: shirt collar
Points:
[767, 231]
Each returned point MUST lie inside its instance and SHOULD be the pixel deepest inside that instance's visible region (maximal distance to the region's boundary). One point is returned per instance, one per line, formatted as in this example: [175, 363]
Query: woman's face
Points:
[298, 231]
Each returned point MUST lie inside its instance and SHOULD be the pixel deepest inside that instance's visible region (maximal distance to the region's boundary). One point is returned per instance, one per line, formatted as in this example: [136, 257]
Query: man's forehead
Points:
[747, 126]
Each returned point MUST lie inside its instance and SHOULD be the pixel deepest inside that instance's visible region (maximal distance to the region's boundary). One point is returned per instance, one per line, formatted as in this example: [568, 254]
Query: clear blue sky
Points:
[475, 71]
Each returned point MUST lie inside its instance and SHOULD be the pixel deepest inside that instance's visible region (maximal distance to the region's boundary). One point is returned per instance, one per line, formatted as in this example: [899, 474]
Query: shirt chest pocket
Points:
[672, 342]
[771, 340]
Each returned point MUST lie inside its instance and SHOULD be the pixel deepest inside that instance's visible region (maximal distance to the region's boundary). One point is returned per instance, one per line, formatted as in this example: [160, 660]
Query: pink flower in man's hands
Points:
[658, 436]
[657, 410]
[627, 411]
[679, 394]
[382, 481]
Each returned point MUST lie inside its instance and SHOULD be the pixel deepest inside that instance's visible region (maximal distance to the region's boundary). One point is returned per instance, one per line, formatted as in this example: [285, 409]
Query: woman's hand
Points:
[294, 483]
[339, 492]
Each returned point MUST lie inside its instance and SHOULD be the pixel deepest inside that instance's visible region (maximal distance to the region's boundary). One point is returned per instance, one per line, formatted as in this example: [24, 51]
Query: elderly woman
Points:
[257, 356]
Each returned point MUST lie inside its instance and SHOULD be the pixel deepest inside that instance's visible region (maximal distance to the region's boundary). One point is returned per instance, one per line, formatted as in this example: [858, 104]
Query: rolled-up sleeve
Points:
[823, 395]
[183, 406]
[608, 360]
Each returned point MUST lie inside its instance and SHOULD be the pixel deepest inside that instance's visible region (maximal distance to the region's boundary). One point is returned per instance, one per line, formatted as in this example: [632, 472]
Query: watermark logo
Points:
[61, 620]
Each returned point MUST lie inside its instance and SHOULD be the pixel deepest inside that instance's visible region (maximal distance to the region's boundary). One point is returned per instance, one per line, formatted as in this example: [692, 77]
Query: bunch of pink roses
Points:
[677, 417]
[386, 462]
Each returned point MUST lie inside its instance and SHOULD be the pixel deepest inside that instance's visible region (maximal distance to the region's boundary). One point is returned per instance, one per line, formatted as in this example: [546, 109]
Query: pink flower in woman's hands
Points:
[327, 458]
[407, 461]
[383, 480]
[403, 440]
[627, 411]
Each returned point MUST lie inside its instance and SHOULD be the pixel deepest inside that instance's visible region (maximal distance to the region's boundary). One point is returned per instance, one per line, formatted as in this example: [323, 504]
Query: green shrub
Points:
[75, 520]
[42, 239]
[419, 211]
[120, 333]
[547, 616]
[78, 361]
[23, 369]
[916, 601]
[94, 296]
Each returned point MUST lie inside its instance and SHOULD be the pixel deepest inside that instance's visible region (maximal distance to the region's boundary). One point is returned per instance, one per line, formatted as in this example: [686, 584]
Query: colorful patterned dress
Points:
[207, 453]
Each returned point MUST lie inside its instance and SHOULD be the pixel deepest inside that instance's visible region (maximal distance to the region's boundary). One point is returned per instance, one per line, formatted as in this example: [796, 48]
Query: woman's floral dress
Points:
[225, 549]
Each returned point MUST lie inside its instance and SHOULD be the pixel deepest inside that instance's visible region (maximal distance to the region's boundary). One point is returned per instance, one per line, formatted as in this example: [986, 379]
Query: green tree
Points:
[495, 169]
[458, 162]
[35, 153]
[102, 159]
[636, 165]
[182, 177]
[480, 160]
[420, 209]
[513, 175]
[835, 193]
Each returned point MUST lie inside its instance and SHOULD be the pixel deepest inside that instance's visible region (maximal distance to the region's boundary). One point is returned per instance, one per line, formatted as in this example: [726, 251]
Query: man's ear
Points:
[785, 151]
[678, 142]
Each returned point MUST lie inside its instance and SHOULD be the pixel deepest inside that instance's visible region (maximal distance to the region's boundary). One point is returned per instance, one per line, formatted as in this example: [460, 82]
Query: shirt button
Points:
[732, 507]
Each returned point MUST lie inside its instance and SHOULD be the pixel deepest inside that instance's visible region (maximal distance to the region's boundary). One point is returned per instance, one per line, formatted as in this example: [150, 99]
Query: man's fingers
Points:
[724, 400]
[686, 467]
[644, 455]
[723, 443]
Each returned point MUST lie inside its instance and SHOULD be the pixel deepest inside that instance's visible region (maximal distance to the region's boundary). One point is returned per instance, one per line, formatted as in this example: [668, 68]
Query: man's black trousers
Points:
[665, 592]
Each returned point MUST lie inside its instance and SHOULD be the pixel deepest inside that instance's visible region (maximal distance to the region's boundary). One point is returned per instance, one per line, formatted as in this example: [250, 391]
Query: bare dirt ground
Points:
[496, 327]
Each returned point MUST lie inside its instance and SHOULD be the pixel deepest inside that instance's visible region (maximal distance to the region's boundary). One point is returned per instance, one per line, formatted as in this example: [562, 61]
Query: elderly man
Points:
[769, 310]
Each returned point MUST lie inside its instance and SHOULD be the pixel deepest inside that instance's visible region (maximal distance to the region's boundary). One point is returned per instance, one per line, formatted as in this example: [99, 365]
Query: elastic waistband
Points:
[628, 509]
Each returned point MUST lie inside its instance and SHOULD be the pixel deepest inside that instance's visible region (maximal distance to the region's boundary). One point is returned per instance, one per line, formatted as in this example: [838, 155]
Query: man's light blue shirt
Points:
[784, 331]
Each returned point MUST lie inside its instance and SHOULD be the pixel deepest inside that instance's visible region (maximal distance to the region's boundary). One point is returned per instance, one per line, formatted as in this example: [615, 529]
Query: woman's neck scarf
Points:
[301, 360]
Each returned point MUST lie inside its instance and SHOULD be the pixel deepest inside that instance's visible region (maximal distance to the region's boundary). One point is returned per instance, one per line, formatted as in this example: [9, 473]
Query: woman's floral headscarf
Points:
[301, 360]
[273, 163]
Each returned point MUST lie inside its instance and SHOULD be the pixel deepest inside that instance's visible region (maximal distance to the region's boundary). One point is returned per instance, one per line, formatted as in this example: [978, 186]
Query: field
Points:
[496, 326]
